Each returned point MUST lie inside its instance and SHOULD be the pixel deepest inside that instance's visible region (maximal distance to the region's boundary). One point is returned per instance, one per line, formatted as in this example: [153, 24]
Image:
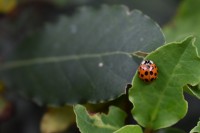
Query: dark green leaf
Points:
[84, 58]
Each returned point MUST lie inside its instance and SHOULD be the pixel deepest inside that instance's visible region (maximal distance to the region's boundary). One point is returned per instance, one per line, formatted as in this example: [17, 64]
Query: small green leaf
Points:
[99, 123]
[161, 103]
[130, 129]
[196, 129]
[193, 90]
[83, 58]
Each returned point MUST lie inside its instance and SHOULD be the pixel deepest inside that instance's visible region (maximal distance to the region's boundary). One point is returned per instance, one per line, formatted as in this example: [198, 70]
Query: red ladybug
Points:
[147, 71]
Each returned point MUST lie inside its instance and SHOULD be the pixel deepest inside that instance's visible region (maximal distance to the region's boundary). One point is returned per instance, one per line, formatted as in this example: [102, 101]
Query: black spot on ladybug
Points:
[155, 74]
[152, 79]
[142, 75]
[146, 73]
[151, 72]
[139, 73]
[146, 80]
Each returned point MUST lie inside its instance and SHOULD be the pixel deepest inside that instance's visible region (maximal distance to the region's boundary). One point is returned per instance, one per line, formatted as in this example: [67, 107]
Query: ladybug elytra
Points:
[147, 71]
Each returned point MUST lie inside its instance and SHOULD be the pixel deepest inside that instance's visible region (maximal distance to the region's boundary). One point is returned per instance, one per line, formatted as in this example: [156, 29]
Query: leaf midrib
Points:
[55, 59]
[154, 113]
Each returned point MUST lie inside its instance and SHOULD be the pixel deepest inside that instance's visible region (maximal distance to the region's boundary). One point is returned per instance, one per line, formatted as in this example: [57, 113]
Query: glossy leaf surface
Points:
[84, 58]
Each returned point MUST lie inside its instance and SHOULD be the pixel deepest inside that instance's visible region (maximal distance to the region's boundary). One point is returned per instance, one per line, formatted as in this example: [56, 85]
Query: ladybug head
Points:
[147, 62]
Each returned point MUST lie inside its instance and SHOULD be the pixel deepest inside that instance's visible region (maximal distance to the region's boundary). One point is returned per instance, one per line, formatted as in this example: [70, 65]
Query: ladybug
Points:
[147, 71]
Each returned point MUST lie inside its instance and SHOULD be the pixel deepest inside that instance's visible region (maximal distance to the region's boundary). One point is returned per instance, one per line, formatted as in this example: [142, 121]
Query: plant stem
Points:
[148, 130]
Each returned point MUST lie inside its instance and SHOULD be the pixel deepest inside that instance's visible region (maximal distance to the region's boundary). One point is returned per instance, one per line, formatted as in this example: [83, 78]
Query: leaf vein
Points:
[44, 60]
